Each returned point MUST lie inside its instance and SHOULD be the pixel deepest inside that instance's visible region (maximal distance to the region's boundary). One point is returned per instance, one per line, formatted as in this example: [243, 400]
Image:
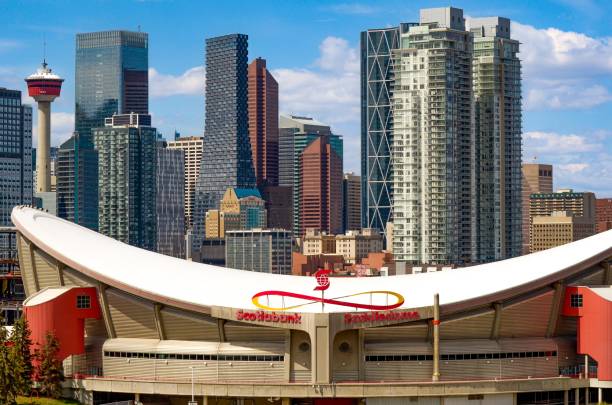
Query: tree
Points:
[21, 357]
[8, 390]
[50, 368]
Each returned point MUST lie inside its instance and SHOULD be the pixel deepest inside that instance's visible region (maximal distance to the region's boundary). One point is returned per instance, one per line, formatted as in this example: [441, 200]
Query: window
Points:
[83, 302]
[576, 300]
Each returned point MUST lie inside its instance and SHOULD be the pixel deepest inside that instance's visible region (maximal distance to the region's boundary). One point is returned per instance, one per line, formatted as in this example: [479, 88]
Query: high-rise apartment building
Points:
[170, 205]
[559, 228]
[377, 73]
[263, 122]
[603, 214]
[497, 145]
[320, 203]
[578, 204]
[226, 156]
[15, 161]
[537, 179]
[127, 188]
[192, 150]
[351, 198]
[261, 250]
[296, 133]
[111, 77]
[432, 141]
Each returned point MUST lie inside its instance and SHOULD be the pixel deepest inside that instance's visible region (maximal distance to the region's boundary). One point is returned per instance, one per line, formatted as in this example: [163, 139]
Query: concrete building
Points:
[559, 228]
[581, 204]
[263, 122]
[192, 150]
[355, 245]
[15, 163]
[315, 242]
[351, 198]
[279, 206]
[307, 265]
[537, 178]
[226, 155]
[296, 133]
[260, 250]
[127, 171]
[496, 198]
[603, 214]
[531, 329]
[239, 208]
[320, 187]
[432, 141]
[170, 205]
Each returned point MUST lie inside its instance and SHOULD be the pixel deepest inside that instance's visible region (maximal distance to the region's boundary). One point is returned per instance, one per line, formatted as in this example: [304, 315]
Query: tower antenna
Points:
[44, 50]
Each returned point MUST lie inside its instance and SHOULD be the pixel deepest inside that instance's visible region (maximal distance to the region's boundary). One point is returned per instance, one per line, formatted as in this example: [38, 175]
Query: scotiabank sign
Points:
[272, 317]
[367, 317]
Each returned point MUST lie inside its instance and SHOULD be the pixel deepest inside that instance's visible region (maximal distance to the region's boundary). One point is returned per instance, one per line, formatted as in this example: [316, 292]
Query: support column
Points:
[286, 401]
[599, 395]
[577, 396]
[586, 396]
[586, 366]
[137, 399]
[566, 397]
[43, 172]
[436, 339]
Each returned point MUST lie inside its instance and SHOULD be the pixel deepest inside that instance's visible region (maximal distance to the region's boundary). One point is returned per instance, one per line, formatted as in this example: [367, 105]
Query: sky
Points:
[312, 49]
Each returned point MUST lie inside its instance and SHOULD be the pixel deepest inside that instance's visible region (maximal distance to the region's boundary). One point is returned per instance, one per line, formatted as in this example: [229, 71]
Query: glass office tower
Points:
[226, 156]
[111, 78]
[15, 163]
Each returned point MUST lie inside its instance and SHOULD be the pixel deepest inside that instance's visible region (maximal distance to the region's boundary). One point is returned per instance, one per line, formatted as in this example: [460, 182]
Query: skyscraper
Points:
[15, 160]
[497, 147]
[320, 202]
[377, 72]
[537, 178]
[127, 167]
[432, 137]
[263, 122]
[170, 205]
[226, 156]
[111, 78]
[192, 149]
[296, 133]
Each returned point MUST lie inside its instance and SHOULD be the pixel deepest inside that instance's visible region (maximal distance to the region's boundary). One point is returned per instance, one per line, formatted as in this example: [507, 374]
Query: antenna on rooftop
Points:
[138, 27]
[44, 51]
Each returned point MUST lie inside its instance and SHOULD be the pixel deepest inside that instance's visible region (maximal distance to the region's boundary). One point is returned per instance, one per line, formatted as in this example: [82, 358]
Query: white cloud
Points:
[191, 82]
[573, 168]
[9, 45]
[561, 68]
[539, 142]
[62, 127]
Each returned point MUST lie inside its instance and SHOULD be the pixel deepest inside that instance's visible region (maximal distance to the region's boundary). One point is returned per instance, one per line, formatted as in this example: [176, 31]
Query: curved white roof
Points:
[176, 281]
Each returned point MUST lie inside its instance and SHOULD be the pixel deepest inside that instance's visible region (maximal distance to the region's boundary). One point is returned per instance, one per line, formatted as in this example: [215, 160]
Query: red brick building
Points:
[321, 185]
[603, 214]
[263, 122]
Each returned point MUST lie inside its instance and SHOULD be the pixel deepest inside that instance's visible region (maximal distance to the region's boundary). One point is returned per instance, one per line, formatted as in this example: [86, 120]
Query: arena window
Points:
[83, 302]
[195, 357]
[576, 300]
[459, 356]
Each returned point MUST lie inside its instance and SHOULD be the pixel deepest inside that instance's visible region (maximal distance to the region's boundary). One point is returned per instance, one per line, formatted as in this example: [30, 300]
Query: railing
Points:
[577, 371]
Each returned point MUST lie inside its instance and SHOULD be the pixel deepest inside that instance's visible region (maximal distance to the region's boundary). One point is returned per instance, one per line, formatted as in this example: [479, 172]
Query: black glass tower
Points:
[111, 78]
[226, 155]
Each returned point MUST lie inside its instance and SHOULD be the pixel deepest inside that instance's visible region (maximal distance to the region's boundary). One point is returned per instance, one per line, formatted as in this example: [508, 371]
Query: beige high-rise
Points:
[559, 228]
[192, 146]
[537, 178]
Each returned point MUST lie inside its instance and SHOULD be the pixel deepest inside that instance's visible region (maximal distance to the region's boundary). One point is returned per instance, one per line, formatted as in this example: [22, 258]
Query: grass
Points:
[44, 401]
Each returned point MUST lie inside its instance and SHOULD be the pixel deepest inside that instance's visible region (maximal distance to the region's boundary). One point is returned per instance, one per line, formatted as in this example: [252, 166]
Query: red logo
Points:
[322, 277]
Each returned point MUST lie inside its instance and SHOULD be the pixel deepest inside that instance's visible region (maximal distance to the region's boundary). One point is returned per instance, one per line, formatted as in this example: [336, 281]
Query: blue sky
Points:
[312, 48]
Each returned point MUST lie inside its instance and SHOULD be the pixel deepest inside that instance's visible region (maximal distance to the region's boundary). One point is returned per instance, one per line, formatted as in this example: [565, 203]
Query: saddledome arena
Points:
[137, 325]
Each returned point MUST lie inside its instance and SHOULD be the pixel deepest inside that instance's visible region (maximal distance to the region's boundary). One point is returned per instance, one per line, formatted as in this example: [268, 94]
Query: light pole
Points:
[193, 401]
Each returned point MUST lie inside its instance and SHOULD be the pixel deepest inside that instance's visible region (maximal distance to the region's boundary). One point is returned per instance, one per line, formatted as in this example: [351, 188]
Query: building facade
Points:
[351, 211]
[296, 133]
[316, 242]
[127, 171]
[497, 148]
[377, 73]
[432, 138]
[15, 162]
[355, 245]
[537, 178]
[239, 209]
[263, 122]
[580, 204]
[192, 150]
[320, 187]
[279, 206]
[170, 205]
[260, 250]
[559, 228]
[111, 77]
[226, 155]
[603, 214]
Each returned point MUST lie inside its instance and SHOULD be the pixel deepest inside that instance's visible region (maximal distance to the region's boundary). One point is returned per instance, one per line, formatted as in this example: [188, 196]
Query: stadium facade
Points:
[136, 325]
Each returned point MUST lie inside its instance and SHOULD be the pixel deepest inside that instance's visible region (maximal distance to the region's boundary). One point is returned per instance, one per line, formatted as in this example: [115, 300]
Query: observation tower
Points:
[44, 86]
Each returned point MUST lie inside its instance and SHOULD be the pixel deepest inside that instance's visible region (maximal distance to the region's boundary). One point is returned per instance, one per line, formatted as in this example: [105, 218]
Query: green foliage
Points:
[8, 390]
[44, 401]
[21, 358]
[49, 368]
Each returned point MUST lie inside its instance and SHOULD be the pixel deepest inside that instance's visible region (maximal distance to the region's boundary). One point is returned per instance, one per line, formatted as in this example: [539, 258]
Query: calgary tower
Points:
[44, 86]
